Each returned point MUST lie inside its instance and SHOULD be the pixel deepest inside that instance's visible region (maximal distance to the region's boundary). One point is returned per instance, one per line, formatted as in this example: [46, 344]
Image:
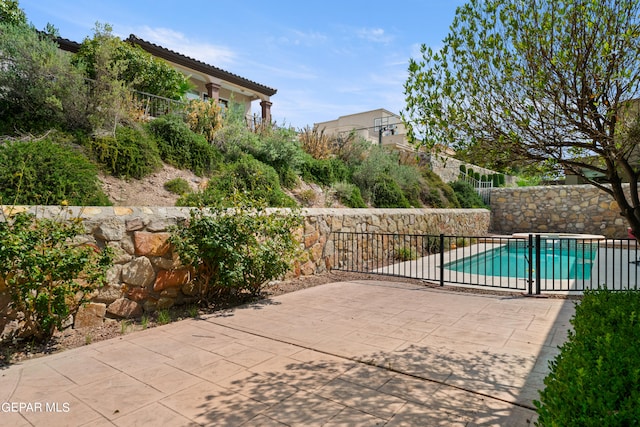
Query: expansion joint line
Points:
[377, 365]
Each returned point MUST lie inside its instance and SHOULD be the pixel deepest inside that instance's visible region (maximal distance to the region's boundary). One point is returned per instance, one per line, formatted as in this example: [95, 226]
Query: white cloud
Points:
[376, 35]
[177, 41]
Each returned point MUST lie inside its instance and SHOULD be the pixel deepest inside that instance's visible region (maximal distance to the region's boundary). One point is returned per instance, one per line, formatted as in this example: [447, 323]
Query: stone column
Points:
[266, 111]
[213, 91]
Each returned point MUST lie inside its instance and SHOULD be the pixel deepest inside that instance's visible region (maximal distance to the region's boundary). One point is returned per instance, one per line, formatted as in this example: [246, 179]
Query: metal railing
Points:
[483, 188]
[151, 105]
[532, 263]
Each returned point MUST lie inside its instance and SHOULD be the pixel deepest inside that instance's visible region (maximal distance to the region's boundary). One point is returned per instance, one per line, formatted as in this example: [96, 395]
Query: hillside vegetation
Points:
[65, 118]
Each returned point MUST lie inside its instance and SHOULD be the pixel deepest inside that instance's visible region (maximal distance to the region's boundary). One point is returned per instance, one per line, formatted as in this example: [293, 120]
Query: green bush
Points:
[467, 195]
[40, 88]
[131, 154]
[463, 168]
[177, 186]
[181, 147]
[386, 193]
[48, 171]
[236, 251]
[277, 147]
[317, 170]
[436, 193]
[349, 195]
[45, 272]
[324, 171]
[595, 380]
[386, 183]
[246, 176]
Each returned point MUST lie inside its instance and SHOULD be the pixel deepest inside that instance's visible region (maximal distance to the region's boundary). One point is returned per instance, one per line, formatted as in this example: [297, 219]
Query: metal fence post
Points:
[530, 262]
[441, 259]
[537, 264]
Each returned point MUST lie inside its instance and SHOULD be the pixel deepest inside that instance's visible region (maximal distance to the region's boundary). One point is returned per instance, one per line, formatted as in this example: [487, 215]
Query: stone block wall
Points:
[147, 275]
[561, 208]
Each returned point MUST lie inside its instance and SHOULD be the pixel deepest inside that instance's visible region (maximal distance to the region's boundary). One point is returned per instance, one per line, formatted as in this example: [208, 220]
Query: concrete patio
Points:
[343, 354]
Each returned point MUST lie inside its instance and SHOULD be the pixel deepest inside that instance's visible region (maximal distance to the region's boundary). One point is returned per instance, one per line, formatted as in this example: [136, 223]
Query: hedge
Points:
[595, 380]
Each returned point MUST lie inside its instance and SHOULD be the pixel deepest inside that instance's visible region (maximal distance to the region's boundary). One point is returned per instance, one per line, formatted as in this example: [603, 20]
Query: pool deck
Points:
[376, 353]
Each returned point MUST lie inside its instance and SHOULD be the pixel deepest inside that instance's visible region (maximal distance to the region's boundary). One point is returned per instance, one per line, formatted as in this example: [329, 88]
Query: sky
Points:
[326, 59]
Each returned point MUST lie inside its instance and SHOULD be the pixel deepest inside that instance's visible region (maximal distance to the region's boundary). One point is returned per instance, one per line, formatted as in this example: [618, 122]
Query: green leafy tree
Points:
[40, 87]
[11, 13]
[548, 82]
[111, 100]
[130, 64]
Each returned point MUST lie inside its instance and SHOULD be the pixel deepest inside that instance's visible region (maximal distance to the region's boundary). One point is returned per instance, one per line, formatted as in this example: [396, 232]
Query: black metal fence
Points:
[533, 263]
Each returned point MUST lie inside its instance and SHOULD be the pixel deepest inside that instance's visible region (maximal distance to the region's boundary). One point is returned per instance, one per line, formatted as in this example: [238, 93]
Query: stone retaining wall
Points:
[561, 208]
[147, 274]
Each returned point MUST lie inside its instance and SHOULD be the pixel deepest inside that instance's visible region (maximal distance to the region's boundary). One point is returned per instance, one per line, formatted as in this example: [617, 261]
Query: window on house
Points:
[192, 94]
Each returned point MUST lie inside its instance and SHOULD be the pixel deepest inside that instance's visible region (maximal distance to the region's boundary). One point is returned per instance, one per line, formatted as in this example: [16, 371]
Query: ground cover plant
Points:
[595, 380]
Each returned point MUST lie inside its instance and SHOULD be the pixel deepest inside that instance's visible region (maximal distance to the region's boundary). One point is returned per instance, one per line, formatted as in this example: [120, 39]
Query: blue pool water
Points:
[559, 259]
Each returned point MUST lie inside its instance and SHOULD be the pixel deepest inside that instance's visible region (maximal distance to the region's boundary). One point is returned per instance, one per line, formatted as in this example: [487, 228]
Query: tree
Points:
[10, 13]
[40, 87]
[549, 81]
[139, 69]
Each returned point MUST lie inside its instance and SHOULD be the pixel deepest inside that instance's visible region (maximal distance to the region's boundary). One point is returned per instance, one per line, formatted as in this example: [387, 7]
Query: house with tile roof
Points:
[208, 81]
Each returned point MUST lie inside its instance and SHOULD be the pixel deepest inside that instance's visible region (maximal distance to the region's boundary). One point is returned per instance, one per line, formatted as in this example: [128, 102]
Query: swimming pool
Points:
[559, 259]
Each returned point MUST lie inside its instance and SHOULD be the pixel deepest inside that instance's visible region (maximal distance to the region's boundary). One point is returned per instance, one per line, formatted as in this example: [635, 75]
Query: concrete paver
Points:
[373, 353]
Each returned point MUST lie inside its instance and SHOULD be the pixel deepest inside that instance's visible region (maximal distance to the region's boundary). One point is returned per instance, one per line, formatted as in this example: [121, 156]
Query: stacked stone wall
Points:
[560, 208]
[147, 274]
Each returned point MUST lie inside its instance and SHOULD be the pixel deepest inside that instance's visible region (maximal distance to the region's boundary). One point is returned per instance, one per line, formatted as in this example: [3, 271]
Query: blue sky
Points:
[326, 59]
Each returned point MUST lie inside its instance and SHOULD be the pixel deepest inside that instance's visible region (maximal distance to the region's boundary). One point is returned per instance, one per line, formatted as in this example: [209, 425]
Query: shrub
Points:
[436, 193]
[131, 154]
[46, 273]
[316, 143]
[279, 149]
[595, 380]
[404, 253]
[47, 172]
[382, 180]
[307, 197]
[276, 147]
[386, 193]
[181, 147]
[467, 195]
[247, 175]
[40, 88]
[349, 195]
[177, 186]
[204, 117]
[463, 169]
[236, 251]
